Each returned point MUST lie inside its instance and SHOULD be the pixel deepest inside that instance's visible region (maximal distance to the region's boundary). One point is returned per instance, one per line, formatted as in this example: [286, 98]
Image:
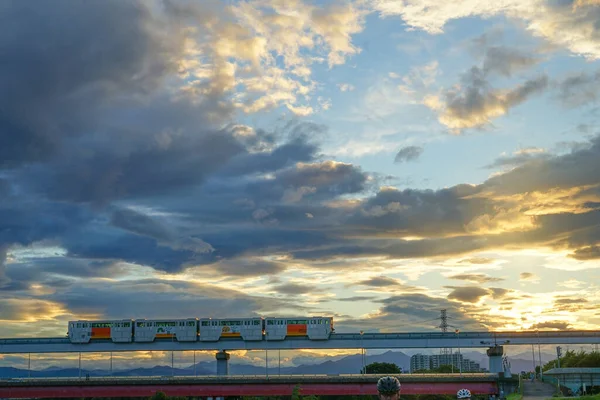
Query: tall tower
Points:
[445, 353]
[444, 327]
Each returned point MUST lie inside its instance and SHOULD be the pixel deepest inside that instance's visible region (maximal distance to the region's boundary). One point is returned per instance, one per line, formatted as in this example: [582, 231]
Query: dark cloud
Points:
[519, 158]
[581, 89]
[468, 294]
[243, 267]
[506, 61]
[59, 271]
[558, 325]
[476, 102]
[154, 168]
[356, 298]
[574, 169]
[410, 153]
[380, 281]
[90, 53]
[114, 245]
[414, 312]
[498, 59]
[142, 224]
[294, 288]
[586, 253]
[499, 293]
[168, 299]
[311, 181]
[567, 300]
[526, 276]
[477, 278]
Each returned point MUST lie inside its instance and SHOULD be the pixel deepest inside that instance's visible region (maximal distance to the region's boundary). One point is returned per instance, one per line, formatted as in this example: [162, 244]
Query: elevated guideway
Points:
[336, 341]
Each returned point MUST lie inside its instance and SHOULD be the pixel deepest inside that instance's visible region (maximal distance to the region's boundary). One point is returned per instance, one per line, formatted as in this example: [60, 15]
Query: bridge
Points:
[493, 341]
[416, 340]
[223, 386]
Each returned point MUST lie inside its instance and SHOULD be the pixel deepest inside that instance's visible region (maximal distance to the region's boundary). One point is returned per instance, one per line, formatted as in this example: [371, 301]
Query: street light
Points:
[457, 331]
[362, 355]
[540, 356]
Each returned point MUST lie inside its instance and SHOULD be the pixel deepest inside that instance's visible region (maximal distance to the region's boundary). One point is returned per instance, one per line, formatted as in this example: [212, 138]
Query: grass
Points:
[515, 396]
[589, 397]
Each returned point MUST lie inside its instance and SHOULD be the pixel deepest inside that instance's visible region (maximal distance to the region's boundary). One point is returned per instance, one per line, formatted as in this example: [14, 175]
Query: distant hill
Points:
[346, 365]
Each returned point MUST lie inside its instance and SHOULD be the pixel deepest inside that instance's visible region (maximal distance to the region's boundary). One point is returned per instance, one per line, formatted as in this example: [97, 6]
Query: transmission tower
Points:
[444, 352]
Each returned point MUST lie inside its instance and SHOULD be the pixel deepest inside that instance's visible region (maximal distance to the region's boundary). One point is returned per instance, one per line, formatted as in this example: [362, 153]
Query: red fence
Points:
[263, 389]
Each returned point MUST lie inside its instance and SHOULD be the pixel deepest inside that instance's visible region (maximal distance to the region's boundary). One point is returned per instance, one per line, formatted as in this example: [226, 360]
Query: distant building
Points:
[419, 362]
[425, 362]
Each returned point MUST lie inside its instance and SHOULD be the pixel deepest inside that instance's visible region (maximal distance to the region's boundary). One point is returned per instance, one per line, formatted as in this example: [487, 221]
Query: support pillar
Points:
[222, 363]
[495, 354]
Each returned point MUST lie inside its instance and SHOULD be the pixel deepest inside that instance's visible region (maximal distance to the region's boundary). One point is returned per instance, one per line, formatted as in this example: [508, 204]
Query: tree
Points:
[382, 368]
[580, 359]
[159, 396]
[442, 369]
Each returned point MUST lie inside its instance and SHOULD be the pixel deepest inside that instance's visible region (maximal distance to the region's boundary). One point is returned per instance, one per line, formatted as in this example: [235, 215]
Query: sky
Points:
[371, 160]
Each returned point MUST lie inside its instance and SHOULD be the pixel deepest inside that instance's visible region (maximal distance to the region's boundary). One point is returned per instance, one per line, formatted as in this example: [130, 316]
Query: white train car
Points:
[316, 328]
[183, 330]
[212, 330]
[119, 331]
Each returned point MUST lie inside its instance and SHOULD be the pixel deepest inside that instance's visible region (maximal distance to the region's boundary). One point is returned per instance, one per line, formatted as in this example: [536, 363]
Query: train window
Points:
[269, 322]
[256, 322]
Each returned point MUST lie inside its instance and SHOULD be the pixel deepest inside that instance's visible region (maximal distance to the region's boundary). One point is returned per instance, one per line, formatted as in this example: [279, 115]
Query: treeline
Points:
[572, 359]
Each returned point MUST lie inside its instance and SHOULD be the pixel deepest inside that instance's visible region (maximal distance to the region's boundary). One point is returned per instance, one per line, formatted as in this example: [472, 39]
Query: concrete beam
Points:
[222, 362]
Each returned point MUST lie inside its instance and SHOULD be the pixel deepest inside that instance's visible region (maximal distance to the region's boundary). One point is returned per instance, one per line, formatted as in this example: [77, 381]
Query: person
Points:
[463, 394]
[388, 388]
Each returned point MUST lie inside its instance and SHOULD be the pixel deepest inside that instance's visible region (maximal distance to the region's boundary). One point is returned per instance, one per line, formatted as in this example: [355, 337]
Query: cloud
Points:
[245, 48]
[245, 267]
[506, 61]
[578, 90]
[294, 289]
[587, 253]
[566, 300]
[476, 260]
[476, 278]
[379, 281]
[568, 24]
[169, 299]
[468, 294]
[475, 103]
[519, 157]
[557, 325]
[528, 276]
[409, 153]
[345, 87]
[52, 92]
[27, 309]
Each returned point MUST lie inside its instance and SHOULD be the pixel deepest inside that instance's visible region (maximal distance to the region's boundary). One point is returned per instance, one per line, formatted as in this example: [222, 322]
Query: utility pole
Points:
[540, 356]
[558, 354]
[533, 356]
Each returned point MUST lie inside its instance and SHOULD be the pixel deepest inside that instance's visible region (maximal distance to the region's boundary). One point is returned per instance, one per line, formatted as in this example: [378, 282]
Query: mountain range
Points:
[346, 365]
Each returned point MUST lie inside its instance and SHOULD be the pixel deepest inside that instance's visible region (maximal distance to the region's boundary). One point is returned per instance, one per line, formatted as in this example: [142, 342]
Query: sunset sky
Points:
[372, 160]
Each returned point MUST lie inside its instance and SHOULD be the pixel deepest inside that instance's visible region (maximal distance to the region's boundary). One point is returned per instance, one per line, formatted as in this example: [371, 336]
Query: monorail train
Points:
[203, 329]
